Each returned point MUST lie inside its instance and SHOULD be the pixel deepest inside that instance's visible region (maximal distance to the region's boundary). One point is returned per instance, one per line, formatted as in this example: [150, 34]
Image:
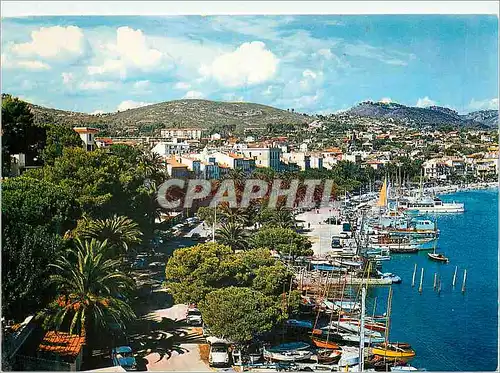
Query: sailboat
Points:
[392, 351]
[437, 257]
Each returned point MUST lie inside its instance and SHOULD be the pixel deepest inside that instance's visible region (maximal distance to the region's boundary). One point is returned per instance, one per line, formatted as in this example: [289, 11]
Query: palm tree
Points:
[232, 235]
[282, 218]
[119, 231]
[91, 291]
[152, 165]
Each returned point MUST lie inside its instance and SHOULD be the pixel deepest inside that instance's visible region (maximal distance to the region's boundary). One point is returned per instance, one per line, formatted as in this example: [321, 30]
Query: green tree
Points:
[120, 232]
[193, 272]
[239, 314]
[58, 137]
[285, 241]
[35, 213]
[232, 235]
[91, 291]
[272, 280]
[19, 133]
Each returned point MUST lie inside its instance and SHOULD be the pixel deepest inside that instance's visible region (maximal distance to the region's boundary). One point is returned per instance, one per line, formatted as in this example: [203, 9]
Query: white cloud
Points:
[67, 78]
[130, 104]
[306, 101]
[325, 52]
[309, 74]
[251, 63]
[193, 95]
[386, 100]
[233, 97]
[94, 85]
[141, 84]
[33, 65]
[53, 43]
[131, 50]
[9, 63]
[488, 104]
[182, 85]
[268, 90]
[425, 102]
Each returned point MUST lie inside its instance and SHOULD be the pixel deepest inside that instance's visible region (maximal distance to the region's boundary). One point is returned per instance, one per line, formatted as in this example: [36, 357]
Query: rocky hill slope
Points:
[212, 115]
[430, 116]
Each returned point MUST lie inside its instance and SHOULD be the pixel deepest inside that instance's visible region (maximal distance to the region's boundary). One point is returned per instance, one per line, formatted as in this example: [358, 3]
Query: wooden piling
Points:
[435, 281]
[455, 276]
[414, 273]
[421, 280]
[465, 278]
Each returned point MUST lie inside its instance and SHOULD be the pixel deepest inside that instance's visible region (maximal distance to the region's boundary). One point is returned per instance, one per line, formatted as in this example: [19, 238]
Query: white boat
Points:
[405, 368]
[349, 327]
[350, 356]
[432, 205]
[291, 356]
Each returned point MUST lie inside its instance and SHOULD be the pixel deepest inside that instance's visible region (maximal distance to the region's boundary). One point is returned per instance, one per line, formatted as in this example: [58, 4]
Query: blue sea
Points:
[450, 330]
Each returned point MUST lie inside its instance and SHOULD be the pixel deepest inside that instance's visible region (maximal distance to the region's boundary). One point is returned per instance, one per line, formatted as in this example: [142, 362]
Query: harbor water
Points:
[450, 330]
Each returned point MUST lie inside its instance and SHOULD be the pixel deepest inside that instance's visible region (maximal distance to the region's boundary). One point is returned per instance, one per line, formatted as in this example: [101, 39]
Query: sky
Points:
[314, 64]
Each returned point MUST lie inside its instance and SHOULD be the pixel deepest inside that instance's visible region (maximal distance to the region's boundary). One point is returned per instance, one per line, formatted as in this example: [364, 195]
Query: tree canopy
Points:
[285, 241]
[238, 313]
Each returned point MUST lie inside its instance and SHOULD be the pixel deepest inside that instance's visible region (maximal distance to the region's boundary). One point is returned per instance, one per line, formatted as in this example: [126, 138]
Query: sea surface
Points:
[450, 330]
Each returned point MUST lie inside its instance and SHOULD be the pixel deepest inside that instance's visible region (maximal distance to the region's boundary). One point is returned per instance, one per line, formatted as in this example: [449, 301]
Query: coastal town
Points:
[314, 263]
[206, 190]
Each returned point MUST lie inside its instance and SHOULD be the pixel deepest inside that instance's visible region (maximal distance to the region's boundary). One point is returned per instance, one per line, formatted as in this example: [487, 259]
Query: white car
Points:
[193, 316]
[219, 355]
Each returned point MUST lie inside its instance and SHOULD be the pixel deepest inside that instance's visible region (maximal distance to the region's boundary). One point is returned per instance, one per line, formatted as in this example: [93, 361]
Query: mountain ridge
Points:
[218, 116]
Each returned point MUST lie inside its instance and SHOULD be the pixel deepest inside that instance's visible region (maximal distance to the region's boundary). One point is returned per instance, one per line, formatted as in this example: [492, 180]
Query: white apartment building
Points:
[183, 133]
[168, 148]
[264, 156]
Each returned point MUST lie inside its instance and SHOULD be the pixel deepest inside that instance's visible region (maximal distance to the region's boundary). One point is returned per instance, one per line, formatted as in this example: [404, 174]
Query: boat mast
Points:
[362, 331]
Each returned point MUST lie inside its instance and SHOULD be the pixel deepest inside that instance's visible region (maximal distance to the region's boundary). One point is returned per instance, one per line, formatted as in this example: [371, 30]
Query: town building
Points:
[87, 134]
[169, 148]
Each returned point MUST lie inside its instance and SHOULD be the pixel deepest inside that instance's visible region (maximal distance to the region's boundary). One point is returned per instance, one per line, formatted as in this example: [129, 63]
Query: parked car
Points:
[219, 355]
[193, 316]
[124, 357]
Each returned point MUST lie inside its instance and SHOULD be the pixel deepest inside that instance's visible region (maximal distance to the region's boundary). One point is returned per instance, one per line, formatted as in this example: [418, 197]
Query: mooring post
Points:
[421, 280]
[414, 273]
[465, 278]
[455, 276]
[435, 281]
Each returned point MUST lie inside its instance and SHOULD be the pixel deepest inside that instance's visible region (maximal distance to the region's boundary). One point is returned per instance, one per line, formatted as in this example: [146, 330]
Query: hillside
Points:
[486, 117]
[430, 116]
[212, 115]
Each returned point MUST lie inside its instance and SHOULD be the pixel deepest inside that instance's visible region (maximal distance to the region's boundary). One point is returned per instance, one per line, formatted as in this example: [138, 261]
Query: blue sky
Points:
[314, 64]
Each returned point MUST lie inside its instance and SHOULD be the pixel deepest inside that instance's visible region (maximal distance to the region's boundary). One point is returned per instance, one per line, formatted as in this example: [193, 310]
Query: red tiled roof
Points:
[63, 344]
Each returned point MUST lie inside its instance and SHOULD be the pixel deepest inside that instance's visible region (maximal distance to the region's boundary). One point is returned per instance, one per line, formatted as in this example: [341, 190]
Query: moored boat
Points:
[394, 351]
[328, 356]
[438, 257]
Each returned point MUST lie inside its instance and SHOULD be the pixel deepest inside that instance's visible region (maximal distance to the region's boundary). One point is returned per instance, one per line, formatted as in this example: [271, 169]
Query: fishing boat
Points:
[290, 352]
[394, 351]
[438, 257]
[328, 356]
[403, 368]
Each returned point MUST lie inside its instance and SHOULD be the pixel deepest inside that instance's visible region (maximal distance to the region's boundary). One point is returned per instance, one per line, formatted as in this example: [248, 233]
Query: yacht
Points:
[431, 205]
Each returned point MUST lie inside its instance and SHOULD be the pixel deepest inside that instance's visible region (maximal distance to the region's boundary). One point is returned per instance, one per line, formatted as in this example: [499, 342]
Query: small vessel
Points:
[432, 205]
[395, 279]
[438, 257]
[372, 325]
[327, 356]
[296, 351]
[395, 351]
[320, 340]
